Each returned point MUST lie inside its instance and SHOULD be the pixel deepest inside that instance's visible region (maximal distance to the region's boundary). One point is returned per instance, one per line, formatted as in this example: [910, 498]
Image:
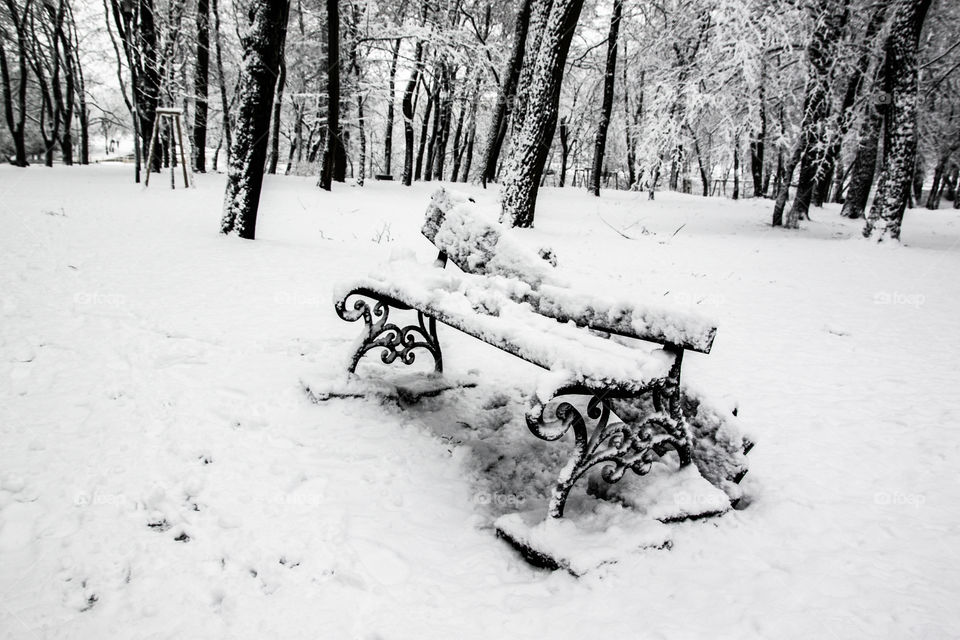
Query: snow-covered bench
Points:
[513, 299]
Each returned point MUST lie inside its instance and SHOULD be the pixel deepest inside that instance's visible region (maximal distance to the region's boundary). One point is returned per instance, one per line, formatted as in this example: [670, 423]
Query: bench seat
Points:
[484, 308]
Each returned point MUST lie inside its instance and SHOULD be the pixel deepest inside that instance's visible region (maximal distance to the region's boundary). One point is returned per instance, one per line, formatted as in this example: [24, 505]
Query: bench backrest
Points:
[477, 243]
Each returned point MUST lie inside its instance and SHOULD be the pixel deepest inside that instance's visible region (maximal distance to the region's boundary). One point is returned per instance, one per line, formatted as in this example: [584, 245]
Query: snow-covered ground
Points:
[164, 475]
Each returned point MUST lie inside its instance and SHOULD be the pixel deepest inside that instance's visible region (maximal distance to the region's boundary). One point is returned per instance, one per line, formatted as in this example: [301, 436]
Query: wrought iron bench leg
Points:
[648, 431]
[395, 341]
[670, 398]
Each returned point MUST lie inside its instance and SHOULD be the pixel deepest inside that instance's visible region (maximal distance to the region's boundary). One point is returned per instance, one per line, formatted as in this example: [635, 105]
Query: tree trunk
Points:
[532, 145]
[296, 146]
[950, 183]
[864, 164]
[675, 161]
[900, 128]
[917, 180]
[362, 172]
[15, 123]
[633, 127]
[354, 33]
[408, 115]
[933, 198]
[704, 177]
[445, 109]
[424, 128]
[458, 140]
[783, 188]
[434, 131]
[408, 106]
[68, 96]
[507, 96]
[470, 140]
[83, 114]
[539, 15]
[600, 145]
[391, 90]
[816, 106]
[274, 155]
[564, 150]
[200, 81]
[224, 104]
[836, 195]
[757, 142]
[261, 46]
[333, 153]
[149, 79]
[855, 84]
[821, 190]
[736, 168]
[628, 124]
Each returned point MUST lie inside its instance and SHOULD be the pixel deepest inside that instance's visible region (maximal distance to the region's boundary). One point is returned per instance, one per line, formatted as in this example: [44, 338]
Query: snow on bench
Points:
[509, 297]
[476, 243]
[483, 308]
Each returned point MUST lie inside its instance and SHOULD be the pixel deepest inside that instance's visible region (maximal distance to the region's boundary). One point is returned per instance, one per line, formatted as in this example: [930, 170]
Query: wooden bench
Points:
[513, 299]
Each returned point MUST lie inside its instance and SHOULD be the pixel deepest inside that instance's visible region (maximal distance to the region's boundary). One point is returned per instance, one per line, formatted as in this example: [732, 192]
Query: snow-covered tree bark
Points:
[600, 145]
[539, 15]
[259, 66]
[900, 128]
[532, 144]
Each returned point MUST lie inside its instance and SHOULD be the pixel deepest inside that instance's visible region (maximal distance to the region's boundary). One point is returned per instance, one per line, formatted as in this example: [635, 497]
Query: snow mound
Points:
[598, 534]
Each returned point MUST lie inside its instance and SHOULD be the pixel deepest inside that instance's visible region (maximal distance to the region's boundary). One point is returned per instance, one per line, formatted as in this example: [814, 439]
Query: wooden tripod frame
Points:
[174, 115]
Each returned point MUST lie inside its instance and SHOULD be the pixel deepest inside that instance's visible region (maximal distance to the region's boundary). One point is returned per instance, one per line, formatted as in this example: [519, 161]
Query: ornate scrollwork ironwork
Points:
[396, 342]
[646, 431]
